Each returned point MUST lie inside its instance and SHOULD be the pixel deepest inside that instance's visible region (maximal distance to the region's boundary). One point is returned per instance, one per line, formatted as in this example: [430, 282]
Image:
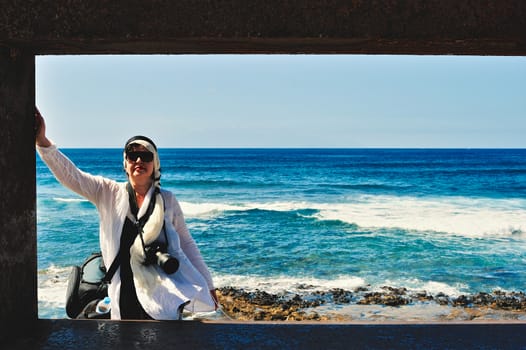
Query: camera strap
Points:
[113, 268]
[139, 223]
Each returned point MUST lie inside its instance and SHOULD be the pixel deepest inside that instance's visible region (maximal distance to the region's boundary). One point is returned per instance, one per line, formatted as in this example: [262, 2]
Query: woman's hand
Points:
[40, 130]
[214, 297]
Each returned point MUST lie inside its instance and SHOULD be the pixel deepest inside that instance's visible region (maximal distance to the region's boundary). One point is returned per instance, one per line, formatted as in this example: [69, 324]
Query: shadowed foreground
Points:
[65, 334]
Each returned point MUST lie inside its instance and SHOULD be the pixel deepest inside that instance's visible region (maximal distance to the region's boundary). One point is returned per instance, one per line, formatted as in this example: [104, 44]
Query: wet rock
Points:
[510, 301]
[442, 299]
[393, 290]
[483, 299]
[383, 299]
[257, 305]
[260, 305]
[262, 298]
[462, 300]
[422, 296]
[341, 296]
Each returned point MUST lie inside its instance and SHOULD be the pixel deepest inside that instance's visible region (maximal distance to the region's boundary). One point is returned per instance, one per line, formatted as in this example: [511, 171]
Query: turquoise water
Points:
[451, 221]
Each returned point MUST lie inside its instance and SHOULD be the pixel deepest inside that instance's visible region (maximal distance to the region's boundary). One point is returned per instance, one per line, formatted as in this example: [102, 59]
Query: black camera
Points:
[156, 254]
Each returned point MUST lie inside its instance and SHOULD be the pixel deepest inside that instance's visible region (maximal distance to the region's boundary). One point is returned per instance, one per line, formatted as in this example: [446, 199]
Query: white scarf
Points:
[146, 276]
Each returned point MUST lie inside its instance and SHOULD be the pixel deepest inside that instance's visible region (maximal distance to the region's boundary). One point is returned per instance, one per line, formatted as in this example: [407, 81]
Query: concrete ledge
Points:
[492, 27]
[67, 334]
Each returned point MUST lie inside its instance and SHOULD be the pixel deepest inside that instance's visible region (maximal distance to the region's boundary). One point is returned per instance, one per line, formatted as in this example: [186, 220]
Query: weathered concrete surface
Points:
[18, 304]
[62, 334]
[262, 26]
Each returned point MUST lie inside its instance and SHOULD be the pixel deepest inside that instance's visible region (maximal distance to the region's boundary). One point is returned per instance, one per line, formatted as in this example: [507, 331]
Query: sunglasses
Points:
[144, 155]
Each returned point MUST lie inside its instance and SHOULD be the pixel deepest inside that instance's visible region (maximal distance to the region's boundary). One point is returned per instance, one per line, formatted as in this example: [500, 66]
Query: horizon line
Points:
[313, 148]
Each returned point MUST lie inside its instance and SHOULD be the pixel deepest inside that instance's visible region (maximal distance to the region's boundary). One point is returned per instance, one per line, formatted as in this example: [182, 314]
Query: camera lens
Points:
[167, 263]
[156, 253]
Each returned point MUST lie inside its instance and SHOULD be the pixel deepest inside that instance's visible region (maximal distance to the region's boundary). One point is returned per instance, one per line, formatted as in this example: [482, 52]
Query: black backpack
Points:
[87, 285]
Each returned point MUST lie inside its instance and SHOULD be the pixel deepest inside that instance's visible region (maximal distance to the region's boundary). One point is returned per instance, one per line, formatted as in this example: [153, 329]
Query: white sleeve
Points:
[69, 175]
[188, 244]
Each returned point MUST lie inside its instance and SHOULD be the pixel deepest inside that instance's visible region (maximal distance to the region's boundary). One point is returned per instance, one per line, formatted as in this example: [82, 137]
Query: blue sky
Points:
[284, 100]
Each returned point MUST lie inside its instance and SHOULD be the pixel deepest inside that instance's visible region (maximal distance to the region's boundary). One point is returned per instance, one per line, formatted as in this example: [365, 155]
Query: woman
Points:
[137, 220]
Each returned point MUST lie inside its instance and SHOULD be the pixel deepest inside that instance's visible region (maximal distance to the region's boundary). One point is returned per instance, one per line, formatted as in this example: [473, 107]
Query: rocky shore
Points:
[258, 305]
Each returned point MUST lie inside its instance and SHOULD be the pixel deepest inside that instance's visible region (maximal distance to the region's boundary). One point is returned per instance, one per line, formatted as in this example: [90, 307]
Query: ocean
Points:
[449, 221]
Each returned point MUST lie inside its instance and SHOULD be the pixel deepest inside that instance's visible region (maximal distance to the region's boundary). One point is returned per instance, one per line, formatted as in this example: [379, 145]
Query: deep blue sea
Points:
[439, 220]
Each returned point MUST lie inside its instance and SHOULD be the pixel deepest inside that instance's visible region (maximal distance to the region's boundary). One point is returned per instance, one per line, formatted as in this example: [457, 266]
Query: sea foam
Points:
[69, 200]
[52, 286]
[469, 217]
[278, 284]
[302, 285]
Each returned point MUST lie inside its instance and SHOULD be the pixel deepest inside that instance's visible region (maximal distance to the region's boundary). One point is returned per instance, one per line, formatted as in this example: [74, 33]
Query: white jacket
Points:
[163, 296]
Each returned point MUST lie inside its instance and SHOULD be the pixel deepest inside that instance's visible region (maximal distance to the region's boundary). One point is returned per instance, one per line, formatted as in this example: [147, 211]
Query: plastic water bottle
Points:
[103, 306]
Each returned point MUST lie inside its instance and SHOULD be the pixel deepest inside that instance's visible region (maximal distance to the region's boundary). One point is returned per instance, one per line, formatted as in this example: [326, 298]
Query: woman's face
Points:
[138, 169]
